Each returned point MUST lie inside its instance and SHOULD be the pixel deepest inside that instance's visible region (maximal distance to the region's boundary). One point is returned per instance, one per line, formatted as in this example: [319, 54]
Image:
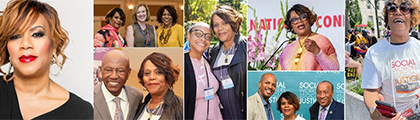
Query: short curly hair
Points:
[299, 9]
[415, 12]
[289, 96]
[171, 11]
[164, 65]
[19, 15]
[229, 15]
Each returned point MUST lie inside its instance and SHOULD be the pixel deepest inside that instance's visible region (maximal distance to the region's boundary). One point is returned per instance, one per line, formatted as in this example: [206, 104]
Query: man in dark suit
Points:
[326, 108]
[113, 100]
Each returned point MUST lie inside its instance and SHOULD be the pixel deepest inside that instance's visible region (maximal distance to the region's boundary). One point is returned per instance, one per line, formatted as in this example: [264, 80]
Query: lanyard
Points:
[144, 35]
[208, 84]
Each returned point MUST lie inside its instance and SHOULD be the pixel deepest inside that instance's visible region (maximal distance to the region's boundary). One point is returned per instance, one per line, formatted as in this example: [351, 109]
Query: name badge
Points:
[208, 93]
[227, 83]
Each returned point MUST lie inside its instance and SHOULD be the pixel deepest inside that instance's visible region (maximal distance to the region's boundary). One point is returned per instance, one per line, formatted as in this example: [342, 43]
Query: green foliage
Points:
[354, 14]
[370, 24]
[357, 88]
[200, 11]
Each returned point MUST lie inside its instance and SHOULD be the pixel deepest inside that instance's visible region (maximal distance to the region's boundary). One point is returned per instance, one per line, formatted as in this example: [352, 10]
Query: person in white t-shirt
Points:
[391, 66]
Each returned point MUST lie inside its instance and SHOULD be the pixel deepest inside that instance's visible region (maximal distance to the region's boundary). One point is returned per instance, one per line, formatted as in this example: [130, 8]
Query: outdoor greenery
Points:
[356, 88]
[353, 12]
[200, 11]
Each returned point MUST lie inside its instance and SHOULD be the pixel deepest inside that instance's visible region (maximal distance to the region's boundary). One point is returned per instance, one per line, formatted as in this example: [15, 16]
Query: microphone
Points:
[293, 39]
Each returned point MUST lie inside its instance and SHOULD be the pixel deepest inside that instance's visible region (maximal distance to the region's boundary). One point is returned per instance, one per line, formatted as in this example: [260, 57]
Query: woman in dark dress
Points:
[31, 39]
[228, 61]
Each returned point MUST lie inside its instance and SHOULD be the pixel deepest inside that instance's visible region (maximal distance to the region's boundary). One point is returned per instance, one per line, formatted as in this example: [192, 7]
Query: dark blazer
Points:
[190, 91]
[237, 68]
[172, 107]
[335, 112]
[101, 107]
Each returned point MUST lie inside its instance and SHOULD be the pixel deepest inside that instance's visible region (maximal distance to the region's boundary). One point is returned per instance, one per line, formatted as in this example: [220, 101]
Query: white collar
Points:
[109, 97]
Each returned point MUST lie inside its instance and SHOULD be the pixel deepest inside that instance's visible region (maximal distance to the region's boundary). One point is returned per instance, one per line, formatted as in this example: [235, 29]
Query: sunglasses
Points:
[301, 17]
[199, 33]
[405, 8]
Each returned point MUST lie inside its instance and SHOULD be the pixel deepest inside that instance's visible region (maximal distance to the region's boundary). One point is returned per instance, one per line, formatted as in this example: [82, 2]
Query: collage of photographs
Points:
[210, 59]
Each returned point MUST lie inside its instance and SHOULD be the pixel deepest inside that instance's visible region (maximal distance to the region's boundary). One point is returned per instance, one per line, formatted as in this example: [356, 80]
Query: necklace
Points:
[154, 111]
[228, 52]
[299, 54]
[163, 39]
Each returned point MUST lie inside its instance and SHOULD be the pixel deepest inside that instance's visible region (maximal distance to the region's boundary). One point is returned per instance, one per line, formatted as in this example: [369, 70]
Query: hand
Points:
[311, 46]
[376, 115]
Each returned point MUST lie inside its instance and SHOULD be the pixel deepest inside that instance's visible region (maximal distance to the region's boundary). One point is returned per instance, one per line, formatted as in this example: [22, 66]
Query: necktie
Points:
[322, 113]
[118, 111]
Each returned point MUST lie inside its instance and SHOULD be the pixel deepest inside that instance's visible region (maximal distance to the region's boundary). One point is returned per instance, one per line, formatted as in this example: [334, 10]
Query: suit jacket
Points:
[172, 106]
[101, 107]
[256, 109]
[336, 111]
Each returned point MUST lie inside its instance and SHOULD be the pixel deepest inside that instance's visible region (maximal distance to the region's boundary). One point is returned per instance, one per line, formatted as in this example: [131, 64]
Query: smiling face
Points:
[302, 27]
[267, 85]
[141, 14]
[222, 29]
[31, 52]
[167, 18]
[324, 94]
[115, 20]
[199, 44]
[115, 70]
[287, 107]
[398, 22]
[154, 80]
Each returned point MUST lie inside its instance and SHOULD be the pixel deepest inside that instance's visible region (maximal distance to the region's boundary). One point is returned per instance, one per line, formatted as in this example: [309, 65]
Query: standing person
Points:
[141, 34]
[157, 75]
[113, 100]
[288, 104]
[31, 40]
[259, 108]
[170, 34]
[228, 61]
[311, 51]
[391, 65]
[108, 35]
[199, 78]
[326, 108]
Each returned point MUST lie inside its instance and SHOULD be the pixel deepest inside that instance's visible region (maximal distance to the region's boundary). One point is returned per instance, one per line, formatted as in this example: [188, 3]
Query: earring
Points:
[54, 61]
[5, 77]
[170, 87]
[144, 89]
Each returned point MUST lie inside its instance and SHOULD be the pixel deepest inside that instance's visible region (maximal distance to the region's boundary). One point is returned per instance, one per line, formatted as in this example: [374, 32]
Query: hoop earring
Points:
[144, 88]
[54, 61]
[8, 74]
[170, 87]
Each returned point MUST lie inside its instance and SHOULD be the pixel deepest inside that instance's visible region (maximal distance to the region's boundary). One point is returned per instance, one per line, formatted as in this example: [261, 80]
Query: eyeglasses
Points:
[405, 8]
[301, 17]
[199, 33]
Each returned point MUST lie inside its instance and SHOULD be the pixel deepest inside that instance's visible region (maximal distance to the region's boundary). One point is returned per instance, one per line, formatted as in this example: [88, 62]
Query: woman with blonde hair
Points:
[31, 40]
[141, 34]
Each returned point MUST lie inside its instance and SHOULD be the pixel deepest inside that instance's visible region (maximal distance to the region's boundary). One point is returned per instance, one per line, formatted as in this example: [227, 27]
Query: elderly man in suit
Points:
[259, 107]
[326, 108]
[113, 100]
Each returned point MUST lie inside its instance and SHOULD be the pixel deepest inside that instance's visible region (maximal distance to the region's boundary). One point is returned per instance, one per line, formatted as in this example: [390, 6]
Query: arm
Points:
[129, 36]
[181, 37]
[325, 54]
[156, 39]
[98, 40]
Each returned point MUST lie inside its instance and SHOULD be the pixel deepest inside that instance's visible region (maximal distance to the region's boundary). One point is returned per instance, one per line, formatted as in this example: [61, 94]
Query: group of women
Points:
[140, 33]
[216, 85]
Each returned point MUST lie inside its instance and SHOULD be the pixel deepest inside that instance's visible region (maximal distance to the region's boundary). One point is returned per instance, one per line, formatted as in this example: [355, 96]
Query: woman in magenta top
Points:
[311, 51]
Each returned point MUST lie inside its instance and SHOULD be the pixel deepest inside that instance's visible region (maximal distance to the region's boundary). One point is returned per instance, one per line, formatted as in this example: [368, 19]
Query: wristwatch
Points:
[372, 109]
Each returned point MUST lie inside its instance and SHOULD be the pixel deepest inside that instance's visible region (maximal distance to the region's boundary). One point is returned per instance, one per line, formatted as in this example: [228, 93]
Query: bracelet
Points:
[372, 109]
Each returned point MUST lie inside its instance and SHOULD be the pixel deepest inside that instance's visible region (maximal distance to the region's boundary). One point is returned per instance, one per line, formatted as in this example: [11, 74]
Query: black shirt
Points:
[73, 108]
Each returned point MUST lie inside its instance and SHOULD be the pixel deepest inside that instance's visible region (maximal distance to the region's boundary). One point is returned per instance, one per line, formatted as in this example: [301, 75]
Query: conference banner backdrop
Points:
[330, 23]
[302, 84]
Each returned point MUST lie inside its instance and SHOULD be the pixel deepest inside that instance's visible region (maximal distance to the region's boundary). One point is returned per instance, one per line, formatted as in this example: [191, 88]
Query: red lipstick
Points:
[27, 58]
